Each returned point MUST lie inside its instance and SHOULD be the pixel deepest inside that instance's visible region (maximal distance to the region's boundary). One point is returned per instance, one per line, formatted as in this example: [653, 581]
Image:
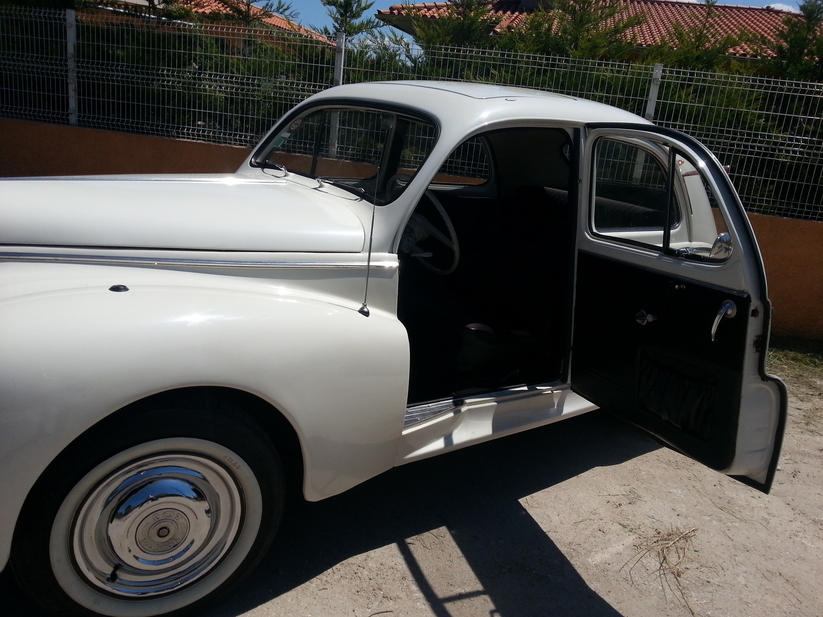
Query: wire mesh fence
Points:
[768, 132]
[132, 72]
[228, 83]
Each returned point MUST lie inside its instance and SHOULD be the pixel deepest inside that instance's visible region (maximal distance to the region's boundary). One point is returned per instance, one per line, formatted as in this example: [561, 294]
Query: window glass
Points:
[372, 151]
[639, 184]
[630, 192]
[707, 232]
[467, 165]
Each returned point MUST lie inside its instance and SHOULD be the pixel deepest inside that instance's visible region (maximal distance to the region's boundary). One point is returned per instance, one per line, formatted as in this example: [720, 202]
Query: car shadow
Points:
[475, 494]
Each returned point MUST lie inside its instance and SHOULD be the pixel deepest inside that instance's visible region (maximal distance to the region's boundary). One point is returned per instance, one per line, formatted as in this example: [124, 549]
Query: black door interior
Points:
[666, 375]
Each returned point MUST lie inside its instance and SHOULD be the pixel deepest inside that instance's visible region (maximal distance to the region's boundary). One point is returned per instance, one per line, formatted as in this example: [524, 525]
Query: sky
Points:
[313, 13]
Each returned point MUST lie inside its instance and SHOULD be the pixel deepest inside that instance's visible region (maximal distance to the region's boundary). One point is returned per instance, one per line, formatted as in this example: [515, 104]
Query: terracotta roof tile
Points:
[660, 15]
[217, 7]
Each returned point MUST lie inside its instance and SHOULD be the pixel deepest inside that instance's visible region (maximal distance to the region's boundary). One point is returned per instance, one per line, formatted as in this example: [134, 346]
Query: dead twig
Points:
[671, 548]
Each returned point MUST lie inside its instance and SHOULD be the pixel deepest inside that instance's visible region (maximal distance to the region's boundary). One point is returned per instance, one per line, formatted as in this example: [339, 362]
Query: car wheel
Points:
[151, 516]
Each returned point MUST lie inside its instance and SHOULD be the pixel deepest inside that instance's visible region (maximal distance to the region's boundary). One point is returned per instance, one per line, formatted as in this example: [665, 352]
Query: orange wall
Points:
[793, 254]
[792, 249]
[35, 149]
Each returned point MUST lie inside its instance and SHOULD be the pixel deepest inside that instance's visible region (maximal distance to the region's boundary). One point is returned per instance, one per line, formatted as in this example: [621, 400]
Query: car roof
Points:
[472, 104]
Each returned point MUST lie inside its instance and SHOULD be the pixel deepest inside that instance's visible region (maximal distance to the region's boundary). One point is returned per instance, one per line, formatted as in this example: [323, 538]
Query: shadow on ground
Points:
[475, 494]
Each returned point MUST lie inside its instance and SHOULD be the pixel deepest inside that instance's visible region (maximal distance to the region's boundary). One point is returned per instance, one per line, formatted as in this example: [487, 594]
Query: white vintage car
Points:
[397, 271]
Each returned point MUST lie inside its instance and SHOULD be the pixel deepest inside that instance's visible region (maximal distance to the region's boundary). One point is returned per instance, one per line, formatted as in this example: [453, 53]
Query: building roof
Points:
[660, 15]
[230, 7]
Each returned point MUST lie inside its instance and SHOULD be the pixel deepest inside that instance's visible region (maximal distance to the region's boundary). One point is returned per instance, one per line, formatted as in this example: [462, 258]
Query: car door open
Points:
[671, 317]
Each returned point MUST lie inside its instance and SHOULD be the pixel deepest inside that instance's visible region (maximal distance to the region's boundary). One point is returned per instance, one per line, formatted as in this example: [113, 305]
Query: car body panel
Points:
[707, 396]
[287, 288]
[233, 332]
[220, 212]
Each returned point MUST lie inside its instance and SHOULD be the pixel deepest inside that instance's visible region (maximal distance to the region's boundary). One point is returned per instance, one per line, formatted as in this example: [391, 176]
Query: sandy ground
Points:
[587, 517]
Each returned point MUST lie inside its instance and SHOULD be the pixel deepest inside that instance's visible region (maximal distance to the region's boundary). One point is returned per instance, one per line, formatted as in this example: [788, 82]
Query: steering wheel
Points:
[395, 185]
[419, 229]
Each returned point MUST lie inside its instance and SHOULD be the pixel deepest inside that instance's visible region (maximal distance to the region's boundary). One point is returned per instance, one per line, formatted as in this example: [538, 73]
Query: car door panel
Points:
[669, 340]
[666, 375]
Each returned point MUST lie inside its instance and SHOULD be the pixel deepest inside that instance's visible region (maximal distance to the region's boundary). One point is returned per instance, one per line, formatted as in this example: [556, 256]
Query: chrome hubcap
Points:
[157, 525]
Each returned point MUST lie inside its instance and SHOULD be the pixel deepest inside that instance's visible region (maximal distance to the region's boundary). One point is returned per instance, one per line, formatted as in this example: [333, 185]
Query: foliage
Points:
[594, 29]
[281, 7]
[467, 23]
[697, 45]
[347, 17]
[45, 4]
[197, 82]
[798, 49]
[376, 57]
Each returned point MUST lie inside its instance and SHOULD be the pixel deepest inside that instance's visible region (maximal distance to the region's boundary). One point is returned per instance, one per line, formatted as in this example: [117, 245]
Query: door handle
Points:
[643, 318]
[727, 309]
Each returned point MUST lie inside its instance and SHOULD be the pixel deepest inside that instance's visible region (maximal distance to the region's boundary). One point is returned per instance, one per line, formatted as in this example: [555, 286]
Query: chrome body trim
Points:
[419, 413]
[178, 262]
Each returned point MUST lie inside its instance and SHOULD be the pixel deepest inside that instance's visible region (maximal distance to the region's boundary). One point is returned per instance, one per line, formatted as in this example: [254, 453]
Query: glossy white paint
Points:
[459, 110]
[222, 213]
[74, 352]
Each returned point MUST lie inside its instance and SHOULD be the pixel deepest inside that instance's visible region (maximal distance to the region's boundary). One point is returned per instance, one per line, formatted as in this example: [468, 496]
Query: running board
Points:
[418, 413]
[440, 426]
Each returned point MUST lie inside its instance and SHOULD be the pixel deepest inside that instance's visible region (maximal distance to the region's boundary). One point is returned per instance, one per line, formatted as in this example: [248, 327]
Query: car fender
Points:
[74, 352]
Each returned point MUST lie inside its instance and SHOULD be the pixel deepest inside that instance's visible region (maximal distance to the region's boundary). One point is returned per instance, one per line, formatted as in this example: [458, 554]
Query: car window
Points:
[647, 192]
[630, 192]
[372, 151]
[468, 165]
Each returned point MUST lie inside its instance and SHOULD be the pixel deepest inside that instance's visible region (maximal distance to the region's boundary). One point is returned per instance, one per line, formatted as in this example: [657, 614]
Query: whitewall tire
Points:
[179, 512]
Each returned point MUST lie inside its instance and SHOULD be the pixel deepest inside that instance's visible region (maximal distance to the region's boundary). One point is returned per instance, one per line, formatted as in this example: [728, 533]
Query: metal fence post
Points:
[339, 57]
[657, 76]
[71, 64]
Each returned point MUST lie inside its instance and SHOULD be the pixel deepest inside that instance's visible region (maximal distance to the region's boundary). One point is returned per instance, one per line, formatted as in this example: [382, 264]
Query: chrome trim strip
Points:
[424, 411]
[166, 261]
[419, 413]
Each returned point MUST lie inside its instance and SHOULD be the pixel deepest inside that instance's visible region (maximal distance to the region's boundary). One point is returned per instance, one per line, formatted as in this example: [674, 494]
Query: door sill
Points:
[437, 427]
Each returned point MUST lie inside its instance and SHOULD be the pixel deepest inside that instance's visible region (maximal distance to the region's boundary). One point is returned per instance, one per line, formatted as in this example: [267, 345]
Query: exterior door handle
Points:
[727, 309]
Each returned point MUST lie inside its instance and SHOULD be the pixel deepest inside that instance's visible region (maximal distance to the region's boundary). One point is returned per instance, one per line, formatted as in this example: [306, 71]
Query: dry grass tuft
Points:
[671, 549]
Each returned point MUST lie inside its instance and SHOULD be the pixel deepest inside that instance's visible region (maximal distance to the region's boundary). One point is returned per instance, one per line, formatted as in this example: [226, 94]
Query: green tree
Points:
[798, 49]
[573, 28]
[467, 23]
[347, 17]
[695, 45]
[46, 4]
[281, 7]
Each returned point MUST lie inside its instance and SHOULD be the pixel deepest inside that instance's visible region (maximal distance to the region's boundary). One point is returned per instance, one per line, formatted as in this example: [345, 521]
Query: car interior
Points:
[486, 267]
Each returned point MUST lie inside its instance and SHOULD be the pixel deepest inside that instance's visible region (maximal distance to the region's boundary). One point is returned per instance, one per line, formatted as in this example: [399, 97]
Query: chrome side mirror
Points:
[722, 247]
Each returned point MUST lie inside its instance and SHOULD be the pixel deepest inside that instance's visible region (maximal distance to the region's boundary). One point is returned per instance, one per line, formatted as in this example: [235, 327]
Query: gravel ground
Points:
[587, 517]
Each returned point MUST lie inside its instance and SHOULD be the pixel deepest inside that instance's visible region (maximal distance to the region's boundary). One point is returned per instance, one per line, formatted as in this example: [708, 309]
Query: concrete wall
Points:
[792, 249]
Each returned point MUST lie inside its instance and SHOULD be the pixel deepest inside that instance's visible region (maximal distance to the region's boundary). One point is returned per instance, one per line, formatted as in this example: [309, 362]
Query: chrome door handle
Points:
[727, 309]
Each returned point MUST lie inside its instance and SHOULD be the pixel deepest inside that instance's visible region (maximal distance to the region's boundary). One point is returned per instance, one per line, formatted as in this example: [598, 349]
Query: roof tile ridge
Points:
[769, 9]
